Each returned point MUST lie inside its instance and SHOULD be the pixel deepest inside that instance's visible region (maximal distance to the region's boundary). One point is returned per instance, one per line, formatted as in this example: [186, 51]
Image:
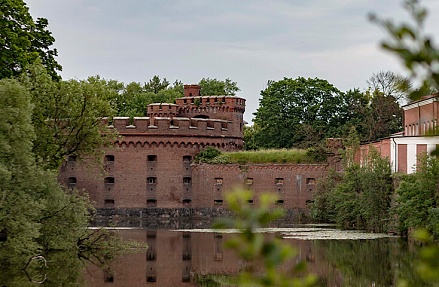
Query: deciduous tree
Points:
[390, 84]
[215, 87]
[297, 112]
[68, 116]
[23, 40]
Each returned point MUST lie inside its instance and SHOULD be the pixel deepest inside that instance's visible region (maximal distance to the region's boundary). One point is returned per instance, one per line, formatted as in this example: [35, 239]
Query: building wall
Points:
[294, 184]
[421, 116]
[166, 177]
[404, 149]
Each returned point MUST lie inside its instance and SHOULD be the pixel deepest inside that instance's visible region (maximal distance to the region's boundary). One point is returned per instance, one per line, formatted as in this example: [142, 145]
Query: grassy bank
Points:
[213, 156]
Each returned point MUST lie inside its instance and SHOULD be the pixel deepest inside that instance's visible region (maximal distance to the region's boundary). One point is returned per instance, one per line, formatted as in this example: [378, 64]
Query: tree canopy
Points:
[36, 214]
[297, 112]
[215, 87]
[390, 84]
[303, 112]
[68, 115]
[23, 40]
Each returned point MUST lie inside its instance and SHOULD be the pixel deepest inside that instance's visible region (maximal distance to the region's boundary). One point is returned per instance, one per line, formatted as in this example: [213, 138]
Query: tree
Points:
[360, 197]
[385, 116]
[298, 112]
[215, 87]
[36, 213]
[23, 40]
[68, 116]
[18, 210]
[155, 85]
[132, 99]
[417, 198]
[390, 84]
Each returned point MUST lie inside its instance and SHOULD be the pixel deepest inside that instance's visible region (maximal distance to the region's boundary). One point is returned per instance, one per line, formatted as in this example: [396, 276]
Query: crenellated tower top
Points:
[192, 90]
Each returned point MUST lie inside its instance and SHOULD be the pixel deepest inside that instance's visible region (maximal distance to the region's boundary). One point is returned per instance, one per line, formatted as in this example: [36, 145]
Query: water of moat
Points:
[197, 257]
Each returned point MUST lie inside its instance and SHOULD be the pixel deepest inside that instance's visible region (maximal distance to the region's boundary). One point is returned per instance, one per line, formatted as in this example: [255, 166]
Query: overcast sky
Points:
[249, 42]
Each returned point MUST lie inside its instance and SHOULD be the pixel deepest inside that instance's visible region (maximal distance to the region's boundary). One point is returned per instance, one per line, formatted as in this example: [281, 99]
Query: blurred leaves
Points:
[264, 256]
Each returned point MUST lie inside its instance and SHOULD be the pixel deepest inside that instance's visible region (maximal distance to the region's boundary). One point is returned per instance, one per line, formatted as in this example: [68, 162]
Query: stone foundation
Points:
[179, 218]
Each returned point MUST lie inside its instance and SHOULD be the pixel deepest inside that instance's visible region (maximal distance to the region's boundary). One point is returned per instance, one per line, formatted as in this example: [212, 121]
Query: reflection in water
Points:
[182, 258]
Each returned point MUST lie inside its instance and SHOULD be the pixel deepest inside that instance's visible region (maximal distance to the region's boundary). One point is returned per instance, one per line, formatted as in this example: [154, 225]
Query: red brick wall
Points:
[418, 118]
[402, 158]
[175, 183]
[382, 146]
[293, 183]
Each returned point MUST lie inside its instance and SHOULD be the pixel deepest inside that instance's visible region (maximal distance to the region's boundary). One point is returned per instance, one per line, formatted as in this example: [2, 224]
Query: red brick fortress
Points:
[151, 164]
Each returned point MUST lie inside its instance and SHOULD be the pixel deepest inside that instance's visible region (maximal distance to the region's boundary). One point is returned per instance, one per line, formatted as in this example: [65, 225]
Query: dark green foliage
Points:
[387, 262]
[418, 198]
[297, 112]
[385, 116]
[249, 137]
[257, 250]
[208, 154]
[303, 112]
[68, 116]
[360, 198]
[131, 100]
[23, 40]
[214, 87]
[420, 56]
[35, 212]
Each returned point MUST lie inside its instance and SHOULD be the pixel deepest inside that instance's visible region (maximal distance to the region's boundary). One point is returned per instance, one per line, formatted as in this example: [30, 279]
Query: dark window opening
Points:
[108, 277]
[218, 202]
[109, 202]
[151, 256]
[186, 235]
[152, 158]
[279, 202]
[187, 180]
[186, 256]
[71, 180]
[187, 158]
[151, 180]
[151, 202]
[186, 278]
[311, 181]
[109, 180]
[72, 158]
[151, 279]
[250, 201]
[279, 180]
[151, 234]
[109, 157]
[187, 201]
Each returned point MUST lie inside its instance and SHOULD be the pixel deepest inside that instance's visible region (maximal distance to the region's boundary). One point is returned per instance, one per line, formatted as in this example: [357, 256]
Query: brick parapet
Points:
[177, 126]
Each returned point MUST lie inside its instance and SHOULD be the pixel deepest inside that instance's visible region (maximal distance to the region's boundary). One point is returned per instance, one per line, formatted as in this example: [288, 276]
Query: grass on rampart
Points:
[260, 156]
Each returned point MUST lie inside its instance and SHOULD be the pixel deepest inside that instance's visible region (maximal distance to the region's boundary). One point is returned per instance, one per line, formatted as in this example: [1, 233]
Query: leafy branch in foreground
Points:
[414, 47]
[263, 256]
